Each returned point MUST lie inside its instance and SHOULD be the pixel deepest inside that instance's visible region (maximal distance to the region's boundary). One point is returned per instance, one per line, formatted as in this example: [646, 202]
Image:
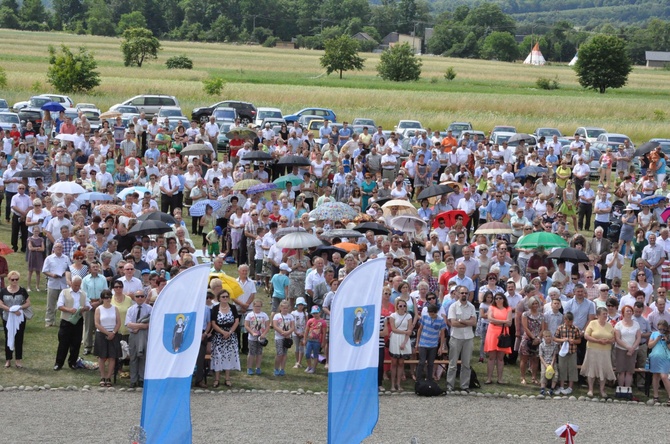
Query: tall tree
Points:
[72, 72]
[341, 55]
[399, 64]
[33, 11]
[97, 18]
[67, 12]
[139, 45]
[603, 63]
[500, 46]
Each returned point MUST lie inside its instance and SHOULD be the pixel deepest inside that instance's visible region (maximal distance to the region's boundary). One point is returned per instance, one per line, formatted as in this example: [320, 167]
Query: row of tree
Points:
[484, 31]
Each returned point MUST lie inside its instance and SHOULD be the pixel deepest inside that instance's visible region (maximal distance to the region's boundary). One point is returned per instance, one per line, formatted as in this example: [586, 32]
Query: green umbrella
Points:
[541, 239]
[281, 181]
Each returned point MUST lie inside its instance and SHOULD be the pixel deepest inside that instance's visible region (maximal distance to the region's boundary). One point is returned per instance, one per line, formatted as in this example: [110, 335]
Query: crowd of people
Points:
[445, 283]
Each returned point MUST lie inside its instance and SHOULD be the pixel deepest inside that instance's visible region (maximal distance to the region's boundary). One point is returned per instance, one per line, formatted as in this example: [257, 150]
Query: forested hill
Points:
[578, 12]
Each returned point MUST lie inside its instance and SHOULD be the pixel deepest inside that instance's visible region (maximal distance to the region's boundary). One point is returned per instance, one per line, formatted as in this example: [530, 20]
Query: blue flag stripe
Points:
[353, 395]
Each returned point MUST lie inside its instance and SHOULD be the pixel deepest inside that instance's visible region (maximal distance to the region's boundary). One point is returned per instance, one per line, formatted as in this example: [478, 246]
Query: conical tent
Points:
[574, 59]
[535, 57]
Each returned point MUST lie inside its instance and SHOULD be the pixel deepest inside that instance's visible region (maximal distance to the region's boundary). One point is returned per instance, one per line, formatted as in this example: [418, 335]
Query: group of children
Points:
[561, 348]
[291, 329]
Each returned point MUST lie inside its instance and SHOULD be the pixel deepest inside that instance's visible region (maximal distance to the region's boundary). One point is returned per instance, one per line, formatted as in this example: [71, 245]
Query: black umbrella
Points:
[158, 215]
[530, 171]
[570, 255]
[329, 249]
[372, 226]
[645, 148]
[149, 227]
[382, 201]
[434, 190]
[257, 155]
[29, 173]
[292, 160]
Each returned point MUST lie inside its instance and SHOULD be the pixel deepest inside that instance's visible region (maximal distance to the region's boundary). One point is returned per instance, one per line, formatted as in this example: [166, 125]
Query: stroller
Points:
[615, 221]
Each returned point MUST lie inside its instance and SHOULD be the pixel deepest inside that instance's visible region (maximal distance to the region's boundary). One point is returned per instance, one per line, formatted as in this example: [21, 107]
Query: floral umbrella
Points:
[261, 188]
[246, 184]
[333, 211]
[114, 210]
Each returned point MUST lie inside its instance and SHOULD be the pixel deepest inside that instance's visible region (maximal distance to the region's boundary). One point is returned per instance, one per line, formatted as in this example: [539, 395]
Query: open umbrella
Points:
[653, 200]
[665, 214]
[257, 155]
[494, 228]
[329, 249]
[261, 188]
[292, 160]
[340, 232]
[572, 255]
[645, 148]
[348, 246]
[288, 230]
[521, 136]
[114, 210]
[5, 249]
[450, 218]
[229, 284]
[541, 239]
[245, 184]
[406, 223]
[281, 181]
[110, 115]
[196, 149]
[434, 190]
[397, 207]
[158, 215]
[382, 201]
[333, 211]
[53, 106]
[149, 227]
[130, 190]
[199, 208]
[299, 240]
[530, 171]
[66, 137]
[376, 228]
[29, 173]
[93, 196]
[241, 132]
[66, 188]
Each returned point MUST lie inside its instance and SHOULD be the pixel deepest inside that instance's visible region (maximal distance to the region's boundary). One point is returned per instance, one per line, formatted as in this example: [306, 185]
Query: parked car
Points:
[85, 106]
[151, 103]
[274, 123]
[93, 116]
[613, 137]
[504, 128]
[125, 109]
[225, 114]
[314, 126]
[364, 122]
[597, 149]
[7, 119]
[245, 110]
[457, 128]
[408, 124]
[304, 120]
[66, 101]
[589, 133]
[4, 106]
[170, 111]
[20, 105]
[665, 145]
[39, 101]
[498, 137]
[222, 142]
[264, 113]
[548, 133]
[33, 115]
[126, 118]
[320, 113]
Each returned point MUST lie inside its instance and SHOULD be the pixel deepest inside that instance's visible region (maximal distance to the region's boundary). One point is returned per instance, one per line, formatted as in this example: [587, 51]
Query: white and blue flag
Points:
[172, 350]
[353, 400]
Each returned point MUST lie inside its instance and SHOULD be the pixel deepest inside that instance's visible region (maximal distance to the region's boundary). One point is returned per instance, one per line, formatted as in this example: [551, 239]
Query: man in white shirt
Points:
[462, 316]
[131, 284]
[71, 301]
[104, 177]
[555, 146]
[467, 204]
[212, 130]
[576, 144]
[389, 162]
[169, 186]
[314, 278]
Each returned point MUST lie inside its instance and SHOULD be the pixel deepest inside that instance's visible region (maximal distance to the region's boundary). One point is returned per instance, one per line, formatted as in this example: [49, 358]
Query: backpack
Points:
[428, 388]
[474, 381]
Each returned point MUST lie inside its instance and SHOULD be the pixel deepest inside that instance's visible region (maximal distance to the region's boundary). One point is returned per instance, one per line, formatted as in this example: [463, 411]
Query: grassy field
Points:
[484, 93]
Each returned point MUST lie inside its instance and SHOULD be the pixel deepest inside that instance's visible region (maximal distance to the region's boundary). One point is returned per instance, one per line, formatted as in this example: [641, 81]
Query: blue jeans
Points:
[312, 350]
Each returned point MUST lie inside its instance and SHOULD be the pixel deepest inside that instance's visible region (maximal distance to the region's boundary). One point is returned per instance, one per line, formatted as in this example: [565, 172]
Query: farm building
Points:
[657, 59]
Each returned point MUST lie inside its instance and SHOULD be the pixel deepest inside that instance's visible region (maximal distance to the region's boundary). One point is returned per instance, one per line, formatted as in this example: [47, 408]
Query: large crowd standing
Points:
[444, 284]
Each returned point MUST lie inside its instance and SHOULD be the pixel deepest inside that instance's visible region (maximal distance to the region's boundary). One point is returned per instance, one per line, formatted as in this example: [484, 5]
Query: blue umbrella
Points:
[652, 200]
[93, 196]
[53, 106]
[198, 208]
[139, 190]
[530, 171]
[262, 188]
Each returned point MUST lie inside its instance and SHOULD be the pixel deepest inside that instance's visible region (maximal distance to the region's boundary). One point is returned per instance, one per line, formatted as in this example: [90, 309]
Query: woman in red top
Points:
[500, 315]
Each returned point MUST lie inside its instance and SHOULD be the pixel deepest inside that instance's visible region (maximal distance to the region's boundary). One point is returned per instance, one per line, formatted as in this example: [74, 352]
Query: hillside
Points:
[578, 12]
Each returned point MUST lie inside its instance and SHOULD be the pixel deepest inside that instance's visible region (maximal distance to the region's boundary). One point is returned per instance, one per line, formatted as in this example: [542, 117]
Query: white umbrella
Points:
[66, 188]
[406, 223]
[66, 137]
[299, 239]
[402, 208]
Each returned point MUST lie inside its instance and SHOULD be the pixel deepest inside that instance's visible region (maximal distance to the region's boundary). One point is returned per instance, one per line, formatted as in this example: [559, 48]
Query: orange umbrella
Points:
[5, 249]
[347, 246]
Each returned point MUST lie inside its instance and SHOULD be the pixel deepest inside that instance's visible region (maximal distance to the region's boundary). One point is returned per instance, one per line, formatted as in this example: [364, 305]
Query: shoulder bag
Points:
[505, 340]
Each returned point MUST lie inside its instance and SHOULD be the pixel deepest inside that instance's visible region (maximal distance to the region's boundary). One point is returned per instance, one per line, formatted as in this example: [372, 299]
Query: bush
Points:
[179, 62]
[213, 86]
[3, 78]
[544, 83]
[399, 64]
[450, 74]
[71, 72]
[271, 42]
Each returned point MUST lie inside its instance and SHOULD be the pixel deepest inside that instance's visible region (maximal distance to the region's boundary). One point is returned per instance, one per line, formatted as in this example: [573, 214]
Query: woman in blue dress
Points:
[659, 359]
[367, 187]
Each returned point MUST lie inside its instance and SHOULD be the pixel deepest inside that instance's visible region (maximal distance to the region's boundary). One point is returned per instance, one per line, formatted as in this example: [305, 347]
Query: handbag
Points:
[28, 312]
[288, 342]
[505, 340]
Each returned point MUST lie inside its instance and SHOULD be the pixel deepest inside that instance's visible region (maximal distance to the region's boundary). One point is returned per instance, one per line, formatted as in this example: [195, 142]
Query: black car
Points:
[245, 110]
[33, 115]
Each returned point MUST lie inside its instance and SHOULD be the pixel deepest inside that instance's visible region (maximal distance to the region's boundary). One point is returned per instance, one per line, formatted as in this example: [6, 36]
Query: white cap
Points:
[284, 267]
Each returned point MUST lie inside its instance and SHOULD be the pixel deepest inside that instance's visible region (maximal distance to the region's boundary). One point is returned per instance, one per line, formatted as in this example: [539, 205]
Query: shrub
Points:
[544, 83]
[213, 86]
[450, 74]
[3, 78]
[179, 62]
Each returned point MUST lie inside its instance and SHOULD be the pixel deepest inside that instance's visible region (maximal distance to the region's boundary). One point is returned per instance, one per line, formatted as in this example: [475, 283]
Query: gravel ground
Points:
[106, 418]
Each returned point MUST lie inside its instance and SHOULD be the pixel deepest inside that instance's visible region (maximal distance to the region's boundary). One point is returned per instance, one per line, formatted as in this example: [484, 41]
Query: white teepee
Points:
[574, 59]
[535, 57]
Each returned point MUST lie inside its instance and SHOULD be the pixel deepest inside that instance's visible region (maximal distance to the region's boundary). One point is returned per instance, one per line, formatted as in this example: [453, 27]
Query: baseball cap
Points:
[315, 309]
[146, 271]
[284, 267]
